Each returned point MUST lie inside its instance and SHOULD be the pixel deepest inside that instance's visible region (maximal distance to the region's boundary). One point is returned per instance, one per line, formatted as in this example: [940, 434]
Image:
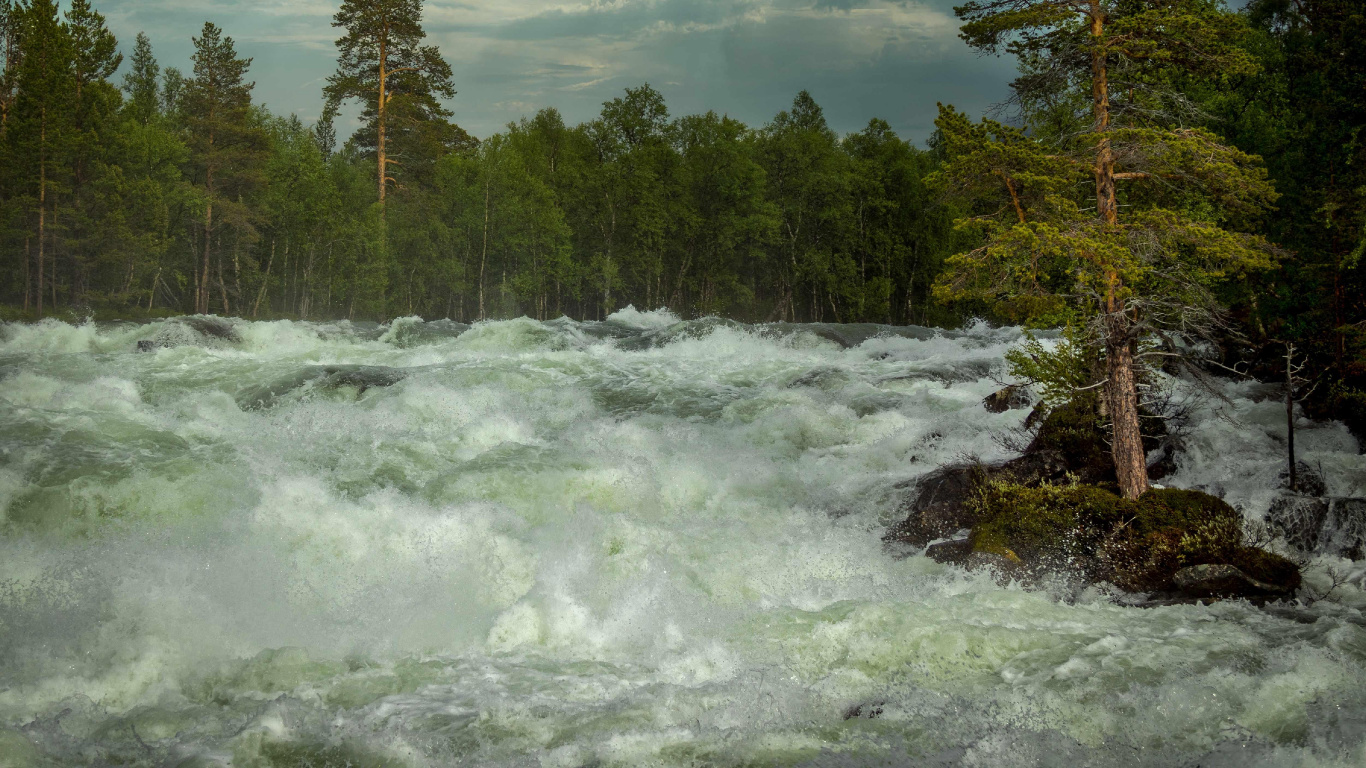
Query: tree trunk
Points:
[380, 105]
[1131, 464]
[1290, 411]
[265, 279]
[201, 304]
[483, 256]
[1106, 207]
[28, 273]
[42, 225]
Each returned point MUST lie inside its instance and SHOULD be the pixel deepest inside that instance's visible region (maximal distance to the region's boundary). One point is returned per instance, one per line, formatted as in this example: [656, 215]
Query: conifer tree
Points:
[1149, 270]
[39, 129]
[140, 82]
[381, 62]
[9, 55]
[94, 58]
[226, 149]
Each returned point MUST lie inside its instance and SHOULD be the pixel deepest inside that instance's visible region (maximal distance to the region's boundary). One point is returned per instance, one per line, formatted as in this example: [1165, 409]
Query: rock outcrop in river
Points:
[1054, 510]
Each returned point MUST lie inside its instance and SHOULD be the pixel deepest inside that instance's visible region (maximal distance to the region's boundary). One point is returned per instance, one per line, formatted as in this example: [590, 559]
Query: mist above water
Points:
[635, 542]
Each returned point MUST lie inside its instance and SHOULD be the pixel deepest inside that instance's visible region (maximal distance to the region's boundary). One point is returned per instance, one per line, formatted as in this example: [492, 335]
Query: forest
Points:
[129, 189]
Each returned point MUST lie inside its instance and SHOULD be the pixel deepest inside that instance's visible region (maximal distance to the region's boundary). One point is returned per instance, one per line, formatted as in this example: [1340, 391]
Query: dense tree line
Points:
[175, 192]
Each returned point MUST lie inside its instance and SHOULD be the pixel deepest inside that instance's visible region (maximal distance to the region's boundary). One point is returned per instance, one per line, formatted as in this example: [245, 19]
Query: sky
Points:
[860, 59]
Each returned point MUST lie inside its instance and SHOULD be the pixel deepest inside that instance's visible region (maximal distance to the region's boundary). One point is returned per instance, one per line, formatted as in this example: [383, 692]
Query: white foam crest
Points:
[652, 320]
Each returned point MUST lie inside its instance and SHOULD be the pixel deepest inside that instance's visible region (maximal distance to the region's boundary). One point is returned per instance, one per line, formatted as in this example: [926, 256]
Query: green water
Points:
[637, 542]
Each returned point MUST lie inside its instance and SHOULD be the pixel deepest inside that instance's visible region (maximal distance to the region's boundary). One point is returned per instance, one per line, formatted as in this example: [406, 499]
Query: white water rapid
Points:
[631, 543]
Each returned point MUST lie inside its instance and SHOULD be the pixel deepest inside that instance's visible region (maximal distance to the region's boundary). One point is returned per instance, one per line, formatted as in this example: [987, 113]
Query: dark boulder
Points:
[870, 711]
[1299, 519]
[1138, 545]
[322, 378]
[1222, 580]
[951, 552]
[1320, 525]
[1009, 398]
[211, 327]
[1344, 531]
[938, 507]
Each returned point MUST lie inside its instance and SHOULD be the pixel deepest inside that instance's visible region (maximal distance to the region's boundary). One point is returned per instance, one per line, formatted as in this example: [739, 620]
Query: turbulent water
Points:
[635, 542]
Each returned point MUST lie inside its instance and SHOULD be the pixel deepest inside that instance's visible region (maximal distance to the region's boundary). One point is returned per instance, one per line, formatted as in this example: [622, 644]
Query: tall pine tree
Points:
[1148, 271]
[382, 62]
[39, 131]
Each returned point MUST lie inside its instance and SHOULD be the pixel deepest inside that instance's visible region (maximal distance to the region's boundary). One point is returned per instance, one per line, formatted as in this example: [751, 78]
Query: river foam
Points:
[643, 541]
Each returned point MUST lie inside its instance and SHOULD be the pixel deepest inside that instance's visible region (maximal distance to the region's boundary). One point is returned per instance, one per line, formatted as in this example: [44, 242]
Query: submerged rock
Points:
[193, 330]
[870, 711]
[324, 378]
[1299, 519]
[1321, 525]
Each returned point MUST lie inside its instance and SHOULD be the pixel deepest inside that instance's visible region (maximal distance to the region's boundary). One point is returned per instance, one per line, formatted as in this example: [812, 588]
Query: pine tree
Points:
[140, 82]
[226, 148]
[1148, 271]
[9, 55]
[38, 132]
[381, 62]
[95, 58]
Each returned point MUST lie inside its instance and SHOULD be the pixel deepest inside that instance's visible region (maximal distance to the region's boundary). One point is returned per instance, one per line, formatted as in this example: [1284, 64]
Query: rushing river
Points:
[628, 543]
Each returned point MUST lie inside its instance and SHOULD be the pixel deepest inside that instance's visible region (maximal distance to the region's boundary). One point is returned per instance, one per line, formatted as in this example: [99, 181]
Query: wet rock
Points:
[1307, 481]
[825, 378]
[951, 552]
[195, 330]
[1005, 566]
[211, 327]
[870, 711]
[938, 509]
[362, 377]
[1299, 519]
[1090, 533]
[1344, 530]
[323, 377]
[1321, 525]
[1221, 580]
[1012, 397]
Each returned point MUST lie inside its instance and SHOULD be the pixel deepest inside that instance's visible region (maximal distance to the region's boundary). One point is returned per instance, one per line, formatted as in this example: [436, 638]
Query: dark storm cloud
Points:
[748, 58]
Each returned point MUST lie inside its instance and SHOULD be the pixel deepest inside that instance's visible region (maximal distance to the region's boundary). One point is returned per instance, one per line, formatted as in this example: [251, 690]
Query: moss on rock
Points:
[1136, 544]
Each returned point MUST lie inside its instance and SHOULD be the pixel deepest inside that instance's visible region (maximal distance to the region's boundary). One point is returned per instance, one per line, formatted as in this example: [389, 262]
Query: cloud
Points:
[747, 58]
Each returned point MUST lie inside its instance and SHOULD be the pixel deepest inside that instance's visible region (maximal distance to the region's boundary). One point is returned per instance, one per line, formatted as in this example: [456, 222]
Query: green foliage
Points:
[141, 82]
[1061, 373]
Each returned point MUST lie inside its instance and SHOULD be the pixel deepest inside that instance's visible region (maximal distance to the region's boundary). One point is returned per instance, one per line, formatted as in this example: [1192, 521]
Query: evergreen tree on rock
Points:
[1051, 253]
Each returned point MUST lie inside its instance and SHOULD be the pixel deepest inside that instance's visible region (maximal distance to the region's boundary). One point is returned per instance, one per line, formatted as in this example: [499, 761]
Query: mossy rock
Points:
[1135, 544]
